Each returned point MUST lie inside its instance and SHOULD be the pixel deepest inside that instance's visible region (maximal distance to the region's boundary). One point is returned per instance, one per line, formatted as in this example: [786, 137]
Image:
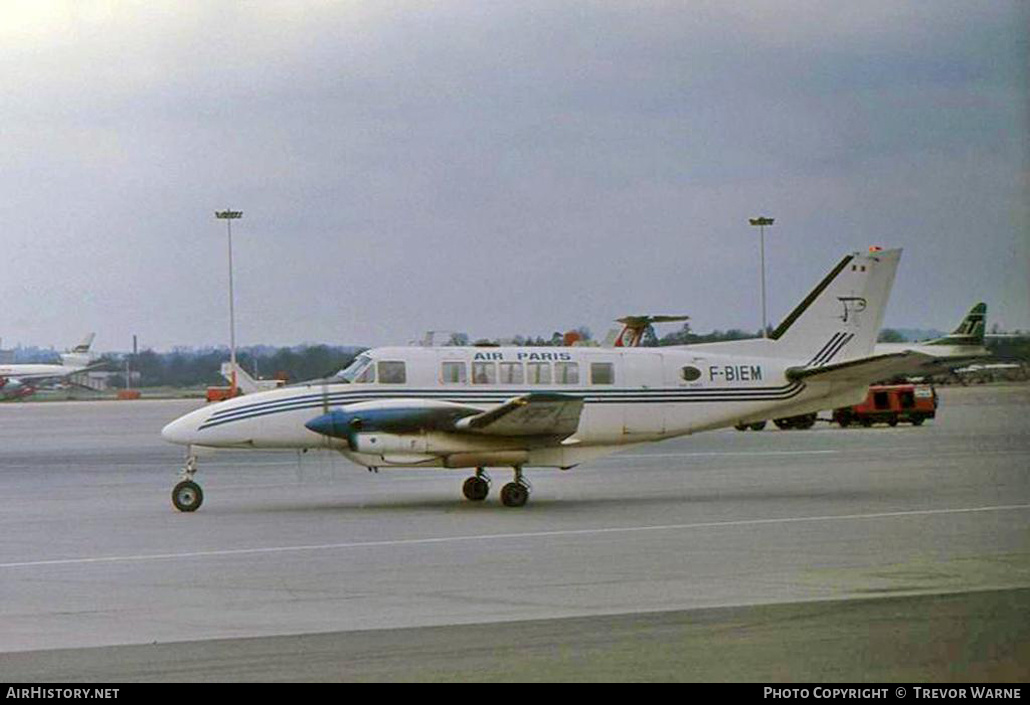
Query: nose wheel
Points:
[187, 495]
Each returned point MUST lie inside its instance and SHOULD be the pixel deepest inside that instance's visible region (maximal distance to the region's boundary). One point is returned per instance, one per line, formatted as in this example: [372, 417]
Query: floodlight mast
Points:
[228, 216]
[762, 221]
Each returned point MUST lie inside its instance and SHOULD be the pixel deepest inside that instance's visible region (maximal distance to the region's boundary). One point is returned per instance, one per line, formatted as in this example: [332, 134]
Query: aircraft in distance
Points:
[945, 354]
[634, 328]
[17, 381]
[520, 407]
[245, 382]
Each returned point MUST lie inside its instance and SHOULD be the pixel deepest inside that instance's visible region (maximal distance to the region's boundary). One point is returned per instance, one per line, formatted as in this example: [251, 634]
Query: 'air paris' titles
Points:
[558, 356]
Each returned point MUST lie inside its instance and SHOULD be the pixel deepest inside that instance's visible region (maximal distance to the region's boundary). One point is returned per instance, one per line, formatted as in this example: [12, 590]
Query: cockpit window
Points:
[360, 371]
[392, 373]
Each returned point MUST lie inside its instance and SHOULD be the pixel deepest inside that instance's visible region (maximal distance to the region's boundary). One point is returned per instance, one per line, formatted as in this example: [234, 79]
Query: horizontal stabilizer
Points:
[528, 415]
[862, 370]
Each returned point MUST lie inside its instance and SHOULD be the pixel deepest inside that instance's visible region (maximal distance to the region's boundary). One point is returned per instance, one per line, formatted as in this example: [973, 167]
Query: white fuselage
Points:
[32, 371]
[630, 396]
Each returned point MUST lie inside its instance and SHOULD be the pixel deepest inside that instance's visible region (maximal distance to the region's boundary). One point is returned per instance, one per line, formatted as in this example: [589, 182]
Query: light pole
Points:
[228, 216]
[761, 221]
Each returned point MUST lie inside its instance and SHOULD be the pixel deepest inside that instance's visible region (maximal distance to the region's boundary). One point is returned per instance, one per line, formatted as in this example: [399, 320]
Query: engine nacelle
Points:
[396, 443]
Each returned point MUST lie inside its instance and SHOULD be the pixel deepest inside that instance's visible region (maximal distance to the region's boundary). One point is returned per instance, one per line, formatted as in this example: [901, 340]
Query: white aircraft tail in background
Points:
[246, 383]
[80, 355]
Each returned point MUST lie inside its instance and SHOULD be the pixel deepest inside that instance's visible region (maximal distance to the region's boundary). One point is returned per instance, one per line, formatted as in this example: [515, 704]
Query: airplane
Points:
[16, 380]
[245, 382]
[634, 328]
[521, 407]
[942, 355]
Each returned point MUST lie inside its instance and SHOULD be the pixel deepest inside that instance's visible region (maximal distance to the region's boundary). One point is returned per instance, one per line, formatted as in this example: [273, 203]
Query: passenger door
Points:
[641, 374]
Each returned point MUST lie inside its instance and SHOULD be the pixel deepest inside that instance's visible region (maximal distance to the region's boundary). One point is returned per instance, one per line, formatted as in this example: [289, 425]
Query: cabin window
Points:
[511, 373]
[602, 373]
[453, 373]
[392, 373]
[539, 372]
[484, 373]
[566, 373]
[690, 374]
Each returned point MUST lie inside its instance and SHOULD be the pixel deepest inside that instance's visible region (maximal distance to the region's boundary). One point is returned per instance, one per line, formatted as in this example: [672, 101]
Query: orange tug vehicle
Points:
[912, 403]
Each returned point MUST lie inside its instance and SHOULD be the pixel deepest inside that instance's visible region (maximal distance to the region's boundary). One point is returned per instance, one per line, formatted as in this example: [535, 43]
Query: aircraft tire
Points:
[475, 489]
[918, 420]
[892, 421]
[187, 496]
[514, 494]
[758, 426]
[741, 426]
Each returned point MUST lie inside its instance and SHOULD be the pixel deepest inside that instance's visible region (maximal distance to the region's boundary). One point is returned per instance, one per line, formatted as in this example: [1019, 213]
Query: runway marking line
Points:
[502, 537]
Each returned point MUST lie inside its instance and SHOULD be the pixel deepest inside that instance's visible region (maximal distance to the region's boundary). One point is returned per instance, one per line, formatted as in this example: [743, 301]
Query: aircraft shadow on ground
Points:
[567, 504]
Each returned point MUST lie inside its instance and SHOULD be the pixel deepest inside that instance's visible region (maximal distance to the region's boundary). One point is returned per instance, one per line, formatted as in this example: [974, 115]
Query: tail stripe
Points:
[826, 347]
[840, 346]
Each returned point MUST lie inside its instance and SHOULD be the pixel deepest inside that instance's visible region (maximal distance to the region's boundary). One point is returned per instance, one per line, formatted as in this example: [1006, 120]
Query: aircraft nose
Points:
[181, 431]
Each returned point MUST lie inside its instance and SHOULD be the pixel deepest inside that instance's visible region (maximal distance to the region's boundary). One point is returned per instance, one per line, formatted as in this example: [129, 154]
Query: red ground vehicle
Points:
[913, 403]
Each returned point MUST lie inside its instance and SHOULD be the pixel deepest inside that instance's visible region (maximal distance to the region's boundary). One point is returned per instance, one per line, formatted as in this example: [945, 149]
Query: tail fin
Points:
[841, 317]
[85, 345]
[970, 331]
[79, 356]
[246, 383]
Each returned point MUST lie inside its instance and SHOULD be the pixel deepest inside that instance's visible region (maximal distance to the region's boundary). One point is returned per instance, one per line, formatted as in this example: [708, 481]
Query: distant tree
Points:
[889, 335]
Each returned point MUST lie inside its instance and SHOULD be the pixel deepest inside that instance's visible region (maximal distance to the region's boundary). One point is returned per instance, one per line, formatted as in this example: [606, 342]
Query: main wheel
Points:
[918, 420]
[741, 426]
[514, 494]
[187, 496]
[758, 426]
[475, 489]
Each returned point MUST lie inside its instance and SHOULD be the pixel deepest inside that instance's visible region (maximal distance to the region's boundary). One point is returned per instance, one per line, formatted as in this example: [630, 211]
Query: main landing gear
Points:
[514, 494]
[187, 495]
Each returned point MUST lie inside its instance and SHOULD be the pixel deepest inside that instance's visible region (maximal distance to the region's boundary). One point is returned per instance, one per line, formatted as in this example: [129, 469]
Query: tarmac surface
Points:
[829, 554]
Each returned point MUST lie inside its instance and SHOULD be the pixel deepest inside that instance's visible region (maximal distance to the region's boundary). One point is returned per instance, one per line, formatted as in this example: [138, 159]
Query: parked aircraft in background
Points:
[634, 328]
[246, 383]
[950, 352]
[469, 407]
[19, 380]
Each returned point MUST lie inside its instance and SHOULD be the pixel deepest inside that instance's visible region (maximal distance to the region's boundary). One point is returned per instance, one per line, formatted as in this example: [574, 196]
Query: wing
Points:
[537, 414]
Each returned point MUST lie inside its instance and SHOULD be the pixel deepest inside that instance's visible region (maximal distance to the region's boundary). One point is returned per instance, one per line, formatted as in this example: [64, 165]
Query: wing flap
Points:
[528, 415]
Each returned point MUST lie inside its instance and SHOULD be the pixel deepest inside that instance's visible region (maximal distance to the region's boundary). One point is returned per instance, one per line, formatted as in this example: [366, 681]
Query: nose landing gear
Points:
[187, 495]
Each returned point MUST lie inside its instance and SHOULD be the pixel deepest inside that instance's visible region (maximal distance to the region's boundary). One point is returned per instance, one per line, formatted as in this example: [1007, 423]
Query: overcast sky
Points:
[500, 168]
